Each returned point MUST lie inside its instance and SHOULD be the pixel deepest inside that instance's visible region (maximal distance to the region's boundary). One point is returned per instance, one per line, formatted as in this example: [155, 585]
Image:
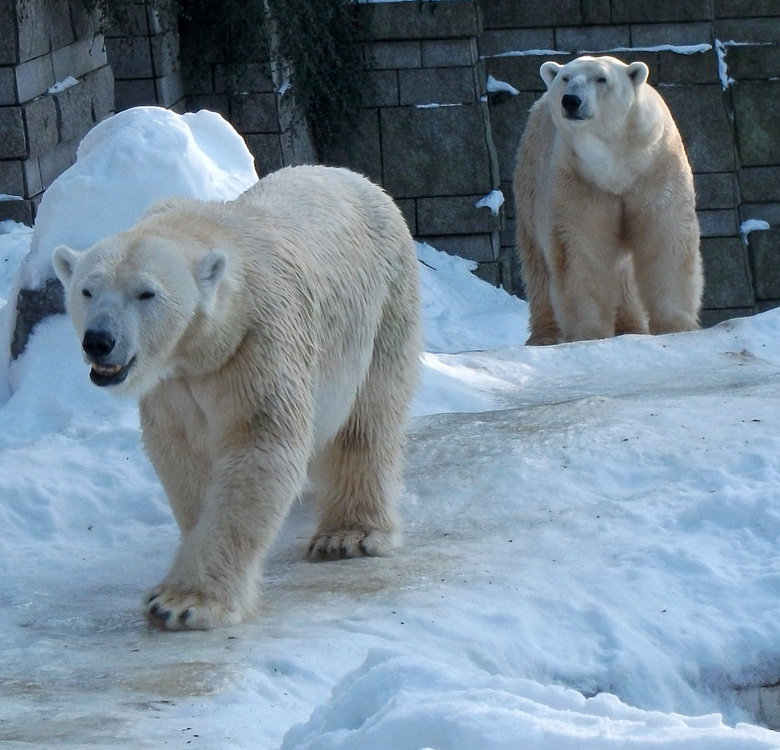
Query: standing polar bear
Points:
[606, 224]
[267, 336]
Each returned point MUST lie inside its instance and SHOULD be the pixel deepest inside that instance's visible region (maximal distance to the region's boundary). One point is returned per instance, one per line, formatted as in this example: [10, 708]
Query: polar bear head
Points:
[596, 93]
[132, 297]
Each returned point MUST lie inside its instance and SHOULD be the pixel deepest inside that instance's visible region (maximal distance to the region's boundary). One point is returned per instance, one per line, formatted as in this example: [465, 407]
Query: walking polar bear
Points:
[265, 336]
[606, 224]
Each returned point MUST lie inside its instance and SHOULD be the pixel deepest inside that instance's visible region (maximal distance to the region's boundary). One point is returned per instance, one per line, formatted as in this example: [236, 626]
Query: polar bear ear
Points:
[64, 261]
[638, 73]
[211, 270]
[548, 71]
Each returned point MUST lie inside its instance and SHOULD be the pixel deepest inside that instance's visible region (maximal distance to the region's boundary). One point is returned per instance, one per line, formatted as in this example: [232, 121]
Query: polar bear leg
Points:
[214, 580]
[669, 274]
[544, 329]
[357, 476]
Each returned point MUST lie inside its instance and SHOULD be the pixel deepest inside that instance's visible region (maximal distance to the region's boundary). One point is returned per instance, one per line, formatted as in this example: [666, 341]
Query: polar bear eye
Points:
[86, 293]
[601, 79]
[146, 295]
[565, 79]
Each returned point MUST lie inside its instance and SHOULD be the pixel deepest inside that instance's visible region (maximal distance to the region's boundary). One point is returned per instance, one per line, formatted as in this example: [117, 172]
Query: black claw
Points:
[184, 616]
[160, 614]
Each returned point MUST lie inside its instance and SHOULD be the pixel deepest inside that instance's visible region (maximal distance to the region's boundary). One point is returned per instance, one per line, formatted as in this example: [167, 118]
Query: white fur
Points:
[607, 230]
[282, 338]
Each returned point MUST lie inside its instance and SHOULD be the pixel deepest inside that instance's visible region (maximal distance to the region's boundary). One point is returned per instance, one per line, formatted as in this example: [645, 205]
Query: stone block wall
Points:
[144, 57]
[55, 84]
[424, 132]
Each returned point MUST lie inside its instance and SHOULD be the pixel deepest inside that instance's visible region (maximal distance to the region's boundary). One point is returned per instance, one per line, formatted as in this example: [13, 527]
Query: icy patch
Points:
[493, 200]
[495, 86]
[723, 72]
[61, 86]
[752, 225]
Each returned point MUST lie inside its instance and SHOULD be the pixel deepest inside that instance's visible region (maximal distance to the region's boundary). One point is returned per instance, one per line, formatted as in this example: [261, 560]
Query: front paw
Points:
[337, 545]
[167, 608]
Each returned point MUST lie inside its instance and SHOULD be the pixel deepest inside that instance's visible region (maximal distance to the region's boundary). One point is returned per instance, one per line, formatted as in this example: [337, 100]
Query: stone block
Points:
[764, 252]
[74, 112]
[502, 41]
[718, 223]
[454, 215]
[254, 113]
[509, 211]
[79, 58]
[58, 24]
[100, 84]
[34, 77]
[11, 178]
[170, 90]
[8, 96]
[699, 67]
[86, 24]
[32, 306]
[137, 92]
[33, 184]
[442, 53]
[511, 14]
[596, 11]
[715, 190]
[359, 147]
[18, 211]
[420, 20]
[9, 51]
[130, 58]
[435, 151]
[737, 8]
[488, 272]
[53, 163]
[640, 11]
[759, 184]
[165, 53]
[701, 117]
[393, 55]
[382, 90]
[508, 117]
[678, 34]
[482, 248]
[592, 38]
[42, 124]
[437, 85]
[727, 281]
[757, 112]
[134, 24]
[29, 24]
[753, 30]
[753, 62]
[267, 150]
[13, 144]
[252, 78]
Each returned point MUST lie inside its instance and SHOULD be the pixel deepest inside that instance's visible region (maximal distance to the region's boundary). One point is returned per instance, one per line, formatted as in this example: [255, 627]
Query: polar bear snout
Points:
[97, 343]
[572, 107]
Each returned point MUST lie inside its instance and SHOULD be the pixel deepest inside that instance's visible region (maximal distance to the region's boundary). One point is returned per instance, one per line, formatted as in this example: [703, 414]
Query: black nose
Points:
[97, 343]
[570, 103]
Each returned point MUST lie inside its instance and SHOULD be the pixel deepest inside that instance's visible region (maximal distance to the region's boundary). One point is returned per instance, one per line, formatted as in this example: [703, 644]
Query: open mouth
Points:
[104, 375]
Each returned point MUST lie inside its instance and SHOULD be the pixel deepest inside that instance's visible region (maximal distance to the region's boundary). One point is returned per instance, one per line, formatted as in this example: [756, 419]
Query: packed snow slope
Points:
[590, 561]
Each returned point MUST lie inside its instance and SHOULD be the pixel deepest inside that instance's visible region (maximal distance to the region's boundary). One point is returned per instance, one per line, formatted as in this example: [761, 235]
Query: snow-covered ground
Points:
[591, 556]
